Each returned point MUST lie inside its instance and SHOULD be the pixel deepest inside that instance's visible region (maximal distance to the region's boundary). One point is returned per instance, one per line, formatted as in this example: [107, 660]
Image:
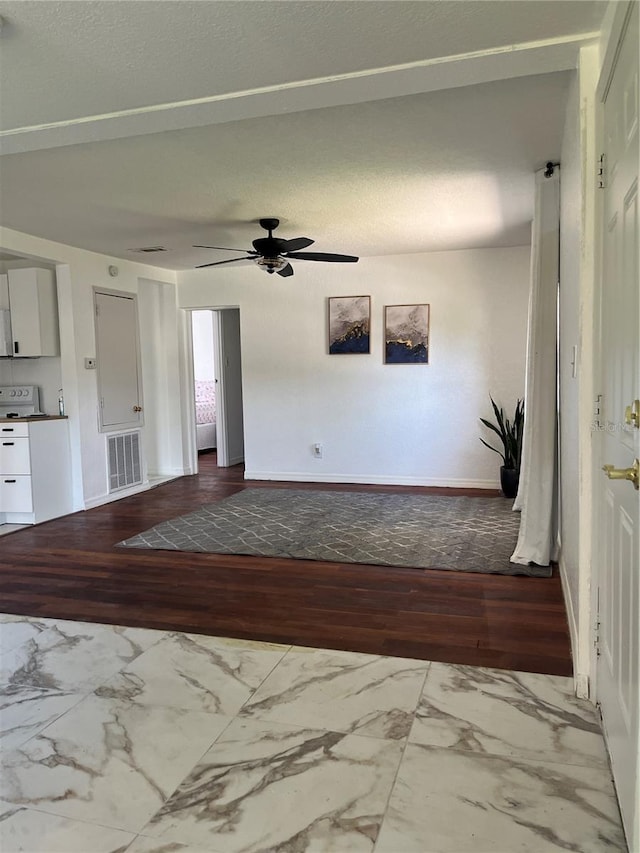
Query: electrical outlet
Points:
[90, 364]
[317, 450]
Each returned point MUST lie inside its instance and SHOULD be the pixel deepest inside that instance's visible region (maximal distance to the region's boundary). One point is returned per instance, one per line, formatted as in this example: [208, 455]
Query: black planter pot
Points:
[509, 479]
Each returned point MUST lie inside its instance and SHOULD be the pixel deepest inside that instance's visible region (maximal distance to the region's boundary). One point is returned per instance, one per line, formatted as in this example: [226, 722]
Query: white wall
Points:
[378, 423]
[406, 424]
[44, 372]
[78, 272]
[161, 377]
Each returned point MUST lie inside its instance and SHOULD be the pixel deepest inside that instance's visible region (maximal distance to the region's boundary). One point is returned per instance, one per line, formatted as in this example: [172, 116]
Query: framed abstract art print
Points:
[349, 324]
[406, 334]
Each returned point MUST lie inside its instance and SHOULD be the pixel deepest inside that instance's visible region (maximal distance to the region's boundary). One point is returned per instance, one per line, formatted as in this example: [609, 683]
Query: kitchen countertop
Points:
[32, 420]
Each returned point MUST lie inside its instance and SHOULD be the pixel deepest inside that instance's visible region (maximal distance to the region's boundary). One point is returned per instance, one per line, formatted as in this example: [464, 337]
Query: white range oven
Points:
[35, 464]
[20, 401]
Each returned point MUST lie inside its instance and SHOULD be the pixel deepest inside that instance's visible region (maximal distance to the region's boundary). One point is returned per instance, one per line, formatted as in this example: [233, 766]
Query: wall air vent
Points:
[124, 460]
[147, 250]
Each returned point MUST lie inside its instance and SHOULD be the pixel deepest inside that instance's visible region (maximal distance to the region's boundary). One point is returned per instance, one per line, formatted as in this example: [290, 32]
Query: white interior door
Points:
[118, 355]
[228, 365]
[617, 502]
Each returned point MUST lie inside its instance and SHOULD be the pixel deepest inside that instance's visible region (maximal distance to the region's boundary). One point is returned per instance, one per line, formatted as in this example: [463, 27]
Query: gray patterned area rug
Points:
[461, 534]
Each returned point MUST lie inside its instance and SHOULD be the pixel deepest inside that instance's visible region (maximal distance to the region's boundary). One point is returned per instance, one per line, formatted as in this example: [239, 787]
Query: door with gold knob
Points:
[118, 352]
[617, 439]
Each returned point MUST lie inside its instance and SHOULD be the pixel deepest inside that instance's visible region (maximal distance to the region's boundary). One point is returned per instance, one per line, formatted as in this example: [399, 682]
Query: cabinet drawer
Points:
[9, 429]
[15, 494]
[14, 455]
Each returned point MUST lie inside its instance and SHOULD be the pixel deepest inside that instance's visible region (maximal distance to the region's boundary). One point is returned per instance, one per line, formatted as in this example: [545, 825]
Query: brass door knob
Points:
[632, 474]
[632, 414]
[137, 408]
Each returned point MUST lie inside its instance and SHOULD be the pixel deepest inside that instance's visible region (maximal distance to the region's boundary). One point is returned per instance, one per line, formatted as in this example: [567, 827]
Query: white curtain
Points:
[537, 492]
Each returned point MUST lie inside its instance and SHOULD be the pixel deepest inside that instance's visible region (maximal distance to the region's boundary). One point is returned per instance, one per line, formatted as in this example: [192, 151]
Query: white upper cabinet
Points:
[34, 312]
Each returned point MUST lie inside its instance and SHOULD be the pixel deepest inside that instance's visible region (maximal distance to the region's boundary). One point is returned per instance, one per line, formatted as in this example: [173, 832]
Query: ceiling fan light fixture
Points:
[274, 255]
[271, 265]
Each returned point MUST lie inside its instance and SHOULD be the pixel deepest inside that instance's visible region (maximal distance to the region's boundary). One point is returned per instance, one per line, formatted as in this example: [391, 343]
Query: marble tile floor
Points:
[121, 739]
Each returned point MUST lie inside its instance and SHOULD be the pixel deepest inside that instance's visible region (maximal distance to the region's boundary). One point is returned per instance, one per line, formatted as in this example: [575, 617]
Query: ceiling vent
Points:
[149, 249]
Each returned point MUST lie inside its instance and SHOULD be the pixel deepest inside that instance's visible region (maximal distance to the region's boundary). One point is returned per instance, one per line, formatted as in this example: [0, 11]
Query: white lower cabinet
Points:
[14, 455]
[15, 495]
[35, 473]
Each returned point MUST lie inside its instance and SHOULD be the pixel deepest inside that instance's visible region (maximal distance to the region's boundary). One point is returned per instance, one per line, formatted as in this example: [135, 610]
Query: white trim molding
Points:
[373, 480]
[482, 66]
[580, 679]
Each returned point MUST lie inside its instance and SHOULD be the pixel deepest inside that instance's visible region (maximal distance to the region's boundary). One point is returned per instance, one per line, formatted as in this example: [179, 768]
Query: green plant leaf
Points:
[492, 448]
[491, 426]
[509, 431]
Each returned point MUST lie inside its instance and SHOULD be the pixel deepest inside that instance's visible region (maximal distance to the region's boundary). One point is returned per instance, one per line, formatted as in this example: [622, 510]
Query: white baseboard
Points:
[582, 686]
[161, 478]
[151, 481]
[580, 679]
[369, 479]
[169, 474]
[116, 496]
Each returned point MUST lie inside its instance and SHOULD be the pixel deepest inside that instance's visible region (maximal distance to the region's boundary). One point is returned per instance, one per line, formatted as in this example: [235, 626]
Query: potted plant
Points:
[510, 434]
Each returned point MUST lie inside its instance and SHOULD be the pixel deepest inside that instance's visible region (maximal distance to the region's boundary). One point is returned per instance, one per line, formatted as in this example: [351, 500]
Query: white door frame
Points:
[221, 415]
[221, 406]
[229, 384]
[188, 395]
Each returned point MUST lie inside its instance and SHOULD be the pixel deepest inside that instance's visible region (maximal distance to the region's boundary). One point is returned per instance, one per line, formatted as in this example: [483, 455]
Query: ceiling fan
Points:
[273, 253]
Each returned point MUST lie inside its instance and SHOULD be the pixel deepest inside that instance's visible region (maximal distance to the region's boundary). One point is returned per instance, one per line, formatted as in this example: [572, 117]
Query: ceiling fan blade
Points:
[285, 271]
[224, 248]
[323, 256]
[297, 243]
[218, 263]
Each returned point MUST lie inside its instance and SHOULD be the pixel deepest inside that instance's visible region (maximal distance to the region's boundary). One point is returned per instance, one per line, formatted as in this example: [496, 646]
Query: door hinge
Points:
[102, 402]
[601, 175]
[596, 625]
[97, 310]
[597, 410]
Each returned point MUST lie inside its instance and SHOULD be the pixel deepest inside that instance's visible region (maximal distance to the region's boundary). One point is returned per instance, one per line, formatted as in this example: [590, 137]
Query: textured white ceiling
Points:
[63, 60]
[423, 172]
[438, 171]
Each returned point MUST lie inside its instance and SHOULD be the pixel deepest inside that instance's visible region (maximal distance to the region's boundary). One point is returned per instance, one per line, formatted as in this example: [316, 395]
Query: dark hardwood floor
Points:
[70, 568]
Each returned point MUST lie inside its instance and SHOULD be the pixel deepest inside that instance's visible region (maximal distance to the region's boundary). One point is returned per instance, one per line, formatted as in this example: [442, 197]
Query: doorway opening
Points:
[204, 380]
[217, 392]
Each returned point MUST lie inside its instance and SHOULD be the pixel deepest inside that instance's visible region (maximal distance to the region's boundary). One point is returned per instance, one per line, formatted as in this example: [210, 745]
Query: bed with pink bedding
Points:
[205, 393]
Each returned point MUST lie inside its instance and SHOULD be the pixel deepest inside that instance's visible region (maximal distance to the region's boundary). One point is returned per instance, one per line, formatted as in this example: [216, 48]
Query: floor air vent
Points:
[124, 460]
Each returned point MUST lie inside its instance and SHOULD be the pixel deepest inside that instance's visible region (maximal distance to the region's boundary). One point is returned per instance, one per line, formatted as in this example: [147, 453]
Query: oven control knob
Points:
[12, 393]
